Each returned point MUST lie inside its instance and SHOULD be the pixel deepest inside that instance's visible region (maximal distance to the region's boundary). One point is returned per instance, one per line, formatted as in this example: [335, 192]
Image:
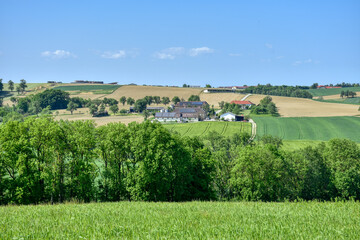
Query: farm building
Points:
[243, 104]
[231, 117]
[151, 109]
[182, 115]
[193, 104]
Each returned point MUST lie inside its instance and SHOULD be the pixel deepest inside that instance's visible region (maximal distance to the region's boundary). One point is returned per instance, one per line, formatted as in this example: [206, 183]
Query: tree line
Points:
[347, 94]
[286, 91]
[47, 161]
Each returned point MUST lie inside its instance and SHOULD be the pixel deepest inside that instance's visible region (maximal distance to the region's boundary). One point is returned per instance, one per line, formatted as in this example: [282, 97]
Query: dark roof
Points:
[166, 115]
[154, 108]
[187, 110]
[193, 103]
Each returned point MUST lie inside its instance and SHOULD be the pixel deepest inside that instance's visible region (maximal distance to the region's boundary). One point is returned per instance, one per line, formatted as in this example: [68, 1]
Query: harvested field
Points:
[301, 107]
[215, 98]
[332, 91]
[83, 114]
[138, 92]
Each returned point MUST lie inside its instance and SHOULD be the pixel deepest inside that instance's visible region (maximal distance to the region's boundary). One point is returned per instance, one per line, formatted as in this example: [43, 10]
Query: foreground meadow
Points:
[191, 220]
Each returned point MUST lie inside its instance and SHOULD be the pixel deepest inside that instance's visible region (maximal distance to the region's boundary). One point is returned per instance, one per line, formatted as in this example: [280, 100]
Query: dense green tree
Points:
[165, 100]
[123, 100]
[114, 109]
[149, 100]
[11, 85]
[56, 99]
[130, 101]
[208, 86]
[157, 99]
[175, 99]
[71, 107]
[22, 85]
[140, 105]
[194, 98]
[1, 85]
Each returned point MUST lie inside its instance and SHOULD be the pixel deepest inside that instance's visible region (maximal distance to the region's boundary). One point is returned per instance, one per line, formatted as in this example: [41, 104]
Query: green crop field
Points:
[309, 128]
[331, 91]
[202, 128]
[355, 100]
[191, 220]
[89, 88]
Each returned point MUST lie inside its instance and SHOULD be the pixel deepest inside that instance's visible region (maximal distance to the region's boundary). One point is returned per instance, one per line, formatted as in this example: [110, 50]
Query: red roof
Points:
[242, 102]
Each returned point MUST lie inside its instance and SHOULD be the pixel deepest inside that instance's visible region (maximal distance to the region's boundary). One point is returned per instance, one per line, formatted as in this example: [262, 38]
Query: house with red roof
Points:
[243, 104]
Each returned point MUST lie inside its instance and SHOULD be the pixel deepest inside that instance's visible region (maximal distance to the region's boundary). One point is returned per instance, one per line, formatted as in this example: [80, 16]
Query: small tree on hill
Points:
[114, 109]
[71, 107]
[123, 100]
[194, 98]
[1, 85]
[157, 99]
[22, 85]
[165, 100]
[175, 99]
[130, 101]
[11, 85]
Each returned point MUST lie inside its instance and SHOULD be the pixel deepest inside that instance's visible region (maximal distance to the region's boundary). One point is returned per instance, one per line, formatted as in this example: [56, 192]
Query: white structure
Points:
[229, 116]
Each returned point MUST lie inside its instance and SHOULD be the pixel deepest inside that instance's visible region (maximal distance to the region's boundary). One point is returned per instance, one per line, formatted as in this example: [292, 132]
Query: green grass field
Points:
[331, 91]
[310, 128]
[202, 128]
[191, 220]
[355, 100]
[101, 89]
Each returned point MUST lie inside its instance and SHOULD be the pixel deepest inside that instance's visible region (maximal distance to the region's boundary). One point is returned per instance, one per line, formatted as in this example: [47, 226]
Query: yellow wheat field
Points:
[301, 107]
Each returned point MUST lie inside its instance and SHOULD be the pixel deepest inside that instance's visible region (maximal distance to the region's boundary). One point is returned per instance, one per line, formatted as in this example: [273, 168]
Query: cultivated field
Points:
[355, 100]
[138, 92]
[301, 107]
[309, 128]
[83, 114]
[203, 128]
[191, 220]
[215, 98]
[336, 96]
[332, 91]
[88, 88]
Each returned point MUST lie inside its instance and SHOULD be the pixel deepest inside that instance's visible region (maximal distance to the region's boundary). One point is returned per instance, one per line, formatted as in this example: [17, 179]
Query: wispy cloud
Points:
[114, 55]
[58, 54]
[174, 52]
[170, 53]
[268, 45]
[307, 61]
[201, 50]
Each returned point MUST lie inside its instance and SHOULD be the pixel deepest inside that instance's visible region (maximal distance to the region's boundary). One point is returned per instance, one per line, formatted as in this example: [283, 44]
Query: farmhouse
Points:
[229, 116]
[243, 104]
[199, 104]
[168, 117]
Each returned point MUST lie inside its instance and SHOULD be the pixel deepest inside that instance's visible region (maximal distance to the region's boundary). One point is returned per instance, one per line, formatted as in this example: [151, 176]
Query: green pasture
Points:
[202, 128]
[309, 128]
[191, 220]
[331, 91]
[101, 89]
[355, 100]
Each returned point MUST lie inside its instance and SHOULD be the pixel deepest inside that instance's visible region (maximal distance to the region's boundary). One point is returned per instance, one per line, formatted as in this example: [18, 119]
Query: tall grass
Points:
[192, 220]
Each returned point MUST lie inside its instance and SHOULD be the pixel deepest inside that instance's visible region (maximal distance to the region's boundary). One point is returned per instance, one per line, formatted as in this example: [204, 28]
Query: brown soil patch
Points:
[301, 107]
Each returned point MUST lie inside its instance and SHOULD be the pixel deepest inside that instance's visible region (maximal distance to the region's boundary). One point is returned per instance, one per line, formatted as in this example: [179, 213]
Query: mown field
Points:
[89, 88]
[331, 91]
[191, 220]
[309, 128]
[202, 128]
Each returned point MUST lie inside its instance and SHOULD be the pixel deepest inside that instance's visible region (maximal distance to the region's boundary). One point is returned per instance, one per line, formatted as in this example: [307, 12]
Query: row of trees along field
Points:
[287, 91]
[45, 161]
[11, 86]
[347, 94]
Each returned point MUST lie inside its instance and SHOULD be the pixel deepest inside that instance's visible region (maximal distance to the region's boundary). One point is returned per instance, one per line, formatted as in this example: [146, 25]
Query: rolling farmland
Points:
[331, 91]
[190, 220]
[202, 128]
[88, 88]
[310, 128]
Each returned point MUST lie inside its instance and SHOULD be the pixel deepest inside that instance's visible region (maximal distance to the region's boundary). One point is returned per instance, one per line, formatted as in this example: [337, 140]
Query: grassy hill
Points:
[355, 100]
[100, 89]
[331, 91]
[202, 128]
[191, 220]
[309, 128]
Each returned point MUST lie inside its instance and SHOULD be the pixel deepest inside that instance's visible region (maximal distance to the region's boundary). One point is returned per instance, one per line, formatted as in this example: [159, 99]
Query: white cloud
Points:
[307, 61]
[170, 53]
[268, 45]
[58, 54]
[114, 55]
[197, 51]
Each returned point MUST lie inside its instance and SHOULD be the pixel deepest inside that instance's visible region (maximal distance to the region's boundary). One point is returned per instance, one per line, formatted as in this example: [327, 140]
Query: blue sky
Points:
[176, 42]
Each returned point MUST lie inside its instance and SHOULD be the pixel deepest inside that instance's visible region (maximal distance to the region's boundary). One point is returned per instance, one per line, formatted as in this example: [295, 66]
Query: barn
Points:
[229, 116]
